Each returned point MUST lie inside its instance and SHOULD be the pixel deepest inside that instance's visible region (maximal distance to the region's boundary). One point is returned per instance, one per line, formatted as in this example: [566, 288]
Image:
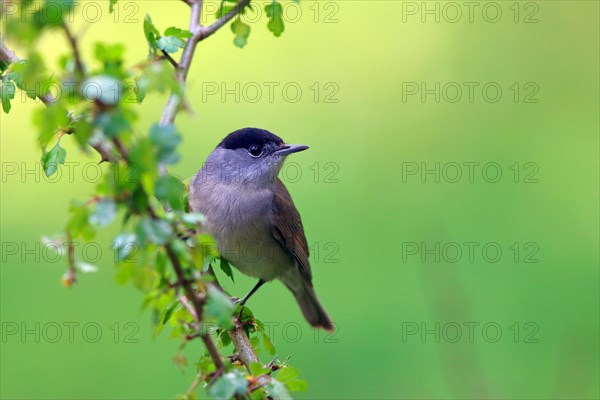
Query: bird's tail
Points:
[313, 311]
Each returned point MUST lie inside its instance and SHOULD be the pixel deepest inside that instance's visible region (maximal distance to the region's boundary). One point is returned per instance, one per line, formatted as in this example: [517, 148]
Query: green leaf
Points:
[83, 130]
[7, 93]
[260, 327]
[111, 7]
[111, 57]
[289, 376]
[225, 267]
[245, 313]
[49, 120]
[274, 12]
[179, 33]
[142, 157]
[52, 158]
[155, 231]
[286, 374]
[168, 312]
[298, 385]
[224, 338]
[254, 340]
[120, 182]
[104, 214]
[150, 33]
[241, 31]
[219, 307]
[166, 139]
[170, 44]
[257, 369]
[268, 344]
[173, 39]
[112, 123]
[142, 277]
[157, 76]
[107, 53]
[277, 390]
[30, 75]
[228, 385]
[208, 259]
[169, 190]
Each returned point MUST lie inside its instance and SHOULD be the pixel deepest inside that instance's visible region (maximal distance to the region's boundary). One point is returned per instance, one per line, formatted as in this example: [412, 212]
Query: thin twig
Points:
[186, 303]
[209, 30]
[73, 42]
[167, 56]
[199, 33]
[170, 110]
[71, 276]
[198, 306]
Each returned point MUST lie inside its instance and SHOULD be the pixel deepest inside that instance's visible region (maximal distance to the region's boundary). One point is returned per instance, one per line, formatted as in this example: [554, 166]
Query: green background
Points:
[365, 211]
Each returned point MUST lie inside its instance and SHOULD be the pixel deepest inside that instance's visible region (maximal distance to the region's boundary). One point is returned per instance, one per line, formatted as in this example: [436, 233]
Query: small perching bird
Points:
[251, 215]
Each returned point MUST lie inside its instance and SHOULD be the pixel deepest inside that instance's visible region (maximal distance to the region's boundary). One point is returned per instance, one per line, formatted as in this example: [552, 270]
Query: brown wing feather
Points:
[287, 229]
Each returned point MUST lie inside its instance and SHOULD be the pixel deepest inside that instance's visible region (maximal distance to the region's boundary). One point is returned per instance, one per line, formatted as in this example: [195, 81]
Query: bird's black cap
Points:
[247, 137]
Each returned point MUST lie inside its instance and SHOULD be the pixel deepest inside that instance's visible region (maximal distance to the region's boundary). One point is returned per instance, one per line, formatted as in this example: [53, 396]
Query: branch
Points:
[242, 344]
[167, 56]
[209, 30]
[244, 349]
[9, 56]
[199, 33]
[73, 42]
[186, 284]
[198, 306]
[71, 276]
[238, 336]
[170, 110]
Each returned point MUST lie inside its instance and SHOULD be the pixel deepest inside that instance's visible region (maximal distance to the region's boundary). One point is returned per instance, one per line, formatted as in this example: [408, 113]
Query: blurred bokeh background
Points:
[474, 285]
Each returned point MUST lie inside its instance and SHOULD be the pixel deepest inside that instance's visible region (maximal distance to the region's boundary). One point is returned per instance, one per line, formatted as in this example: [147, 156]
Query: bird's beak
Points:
[289, 149]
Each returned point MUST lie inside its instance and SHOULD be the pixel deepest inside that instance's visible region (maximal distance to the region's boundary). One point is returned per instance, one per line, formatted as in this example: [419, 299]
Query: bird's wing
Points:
[286, 228]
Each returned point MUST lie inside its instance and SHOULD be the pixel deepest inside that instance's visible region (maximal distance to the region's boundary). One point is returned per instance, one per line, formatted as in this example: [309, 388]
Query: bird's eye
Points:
[255, 151]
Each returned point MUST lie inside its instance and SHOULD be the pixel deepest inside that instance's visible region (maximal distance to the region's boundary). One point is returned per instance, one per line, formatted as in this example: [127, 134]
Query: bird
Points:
[252, 217]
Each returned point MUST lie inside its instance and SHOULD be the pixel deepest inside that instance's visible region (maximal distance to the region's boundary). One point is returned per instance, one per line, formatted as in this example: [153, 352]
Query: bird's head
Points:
[249, 156]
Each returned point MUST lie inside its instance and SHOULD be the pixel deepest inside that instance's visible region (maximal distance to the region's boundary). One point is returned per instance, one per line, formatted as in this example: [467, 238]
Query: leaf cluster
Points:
[157, 248]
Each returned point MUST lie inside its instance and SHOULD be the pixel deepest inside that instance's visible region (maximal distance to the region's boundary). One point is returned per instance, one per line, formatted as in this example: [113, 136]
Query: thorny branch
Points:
[244, 350]
[199, 33]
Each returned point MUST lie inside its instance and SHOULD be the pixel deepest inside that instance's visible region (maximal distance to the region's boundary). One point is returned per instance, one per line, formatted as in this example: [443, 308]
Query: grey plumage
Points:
[252, 217]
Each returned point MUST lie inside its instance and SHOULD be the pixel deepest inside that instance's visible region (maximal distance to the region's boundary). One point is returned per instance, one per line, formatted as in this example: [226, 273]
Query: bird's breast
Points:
[238, 219]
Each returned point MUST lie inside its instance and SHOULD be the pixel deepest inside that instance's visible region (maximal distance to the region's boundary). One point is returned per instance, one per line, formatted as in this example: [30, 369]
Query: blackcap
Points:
[251, 215]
